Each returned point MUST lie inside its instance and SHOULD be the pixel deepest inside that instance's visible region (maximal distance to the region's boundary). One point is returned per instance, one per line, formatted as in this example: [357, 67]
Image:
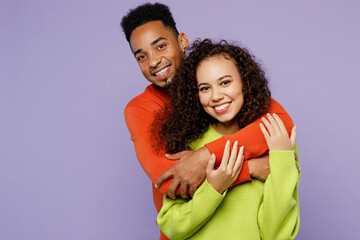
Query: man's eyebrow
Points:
[158, 40]
[152, 44]
[137, 51]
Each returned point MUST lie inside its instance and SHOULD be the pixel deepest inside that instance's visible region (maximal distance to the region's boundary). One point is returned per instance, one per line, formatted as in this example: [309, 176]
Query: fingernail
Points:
[228, 142]
[242, 148]
[263, 118]
[268, 114]
[236, 142]
[274, 114]
[156, 186]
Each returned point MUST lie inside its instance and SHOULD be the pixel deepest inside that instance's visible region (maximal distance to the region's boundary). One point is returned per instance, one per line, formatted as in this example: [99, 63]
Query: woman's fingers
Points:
[280, 123]
[276, 135]
[211, 164]
[264, 131]
[239, 161]
[268, 126]
[274, 124]
[293, 136]
[233, 156]
[225, 158]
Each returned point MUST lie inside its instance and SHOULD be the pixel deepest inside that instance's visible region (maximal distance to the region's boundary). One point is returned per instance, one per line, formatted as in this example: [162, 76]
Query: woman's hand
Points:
[229, 169]
[276, 135]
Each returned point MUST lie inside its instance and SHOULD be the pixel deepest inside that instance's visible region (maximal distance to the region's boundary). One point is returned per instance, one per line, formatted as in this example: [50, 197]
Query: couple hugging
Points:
[212, 110]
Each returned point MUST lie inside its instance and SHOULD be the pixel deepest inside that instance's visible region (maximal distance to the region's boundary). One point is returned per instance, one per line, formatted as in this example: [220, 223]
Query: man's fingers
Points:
[192, 189]
[163, 177]
[296, 157]
[293, 136]
[183, 190]
[172, 189]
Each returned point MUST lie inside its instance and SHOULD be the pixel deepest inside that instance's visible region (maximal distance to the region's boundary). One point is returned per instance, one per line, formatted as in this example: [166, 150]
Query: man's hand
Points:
[259, 168]
[188, 172]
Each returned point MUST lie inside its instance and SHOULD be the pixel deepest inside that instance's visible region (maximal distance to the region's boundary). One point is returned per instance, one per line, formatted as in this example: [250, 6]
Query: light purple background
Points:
[67, 166]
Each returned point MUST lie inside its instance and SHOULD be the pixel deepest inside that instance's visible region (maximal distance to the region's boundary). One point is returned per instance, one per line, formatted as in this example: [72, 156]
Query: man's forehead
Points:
[145, 35]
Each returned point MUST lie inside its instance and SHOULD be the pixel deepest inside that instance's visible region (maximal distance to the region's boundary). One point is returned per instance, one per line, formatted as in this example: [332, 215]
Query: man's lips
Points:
[221, 108]
[162, 73]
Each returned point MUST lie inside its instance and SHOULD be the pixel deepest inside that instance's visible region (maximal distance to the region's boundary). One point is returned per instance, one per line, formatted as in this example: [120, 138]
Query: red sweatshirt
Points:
[139, 115]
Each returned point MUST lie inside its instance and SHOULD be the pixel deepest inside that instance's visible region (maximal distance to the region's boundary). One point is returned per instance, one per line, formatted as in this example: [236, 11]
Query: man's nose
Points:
[154, 59]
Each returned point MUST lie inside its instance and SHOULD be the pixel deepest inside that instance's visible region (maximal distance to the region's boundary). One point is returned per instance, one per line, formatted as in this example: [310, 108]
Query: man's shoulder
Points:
[151, 99]
[275, 106]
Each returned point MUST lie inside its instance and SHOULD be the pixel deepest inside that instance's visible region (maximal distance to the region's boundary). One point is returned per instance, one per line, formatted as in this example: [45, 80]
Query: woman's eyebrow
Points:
[202, 84]
[225, 76]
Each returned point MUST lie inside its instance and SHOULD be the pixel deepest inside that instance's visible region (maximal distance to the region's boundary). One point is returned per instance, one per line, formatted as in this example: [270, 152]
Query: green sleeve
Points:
[181, 218]
[279, 212]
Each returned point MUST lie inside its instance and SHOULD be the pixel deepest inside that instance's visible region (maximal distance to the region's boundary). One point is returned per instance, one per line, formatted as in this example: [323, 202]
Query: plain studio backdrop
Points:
[68, 169]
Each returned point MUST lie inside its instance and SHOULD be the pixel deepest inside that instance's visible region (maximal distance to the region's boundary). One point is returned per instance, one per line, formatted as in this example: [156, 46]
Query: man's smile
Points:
[163, 73]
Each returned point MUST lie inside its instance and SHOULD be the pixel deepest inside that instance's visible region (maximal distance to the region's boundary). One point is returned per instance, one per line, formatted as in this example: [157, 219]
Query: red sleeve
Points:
[251, 138]
[139, 117]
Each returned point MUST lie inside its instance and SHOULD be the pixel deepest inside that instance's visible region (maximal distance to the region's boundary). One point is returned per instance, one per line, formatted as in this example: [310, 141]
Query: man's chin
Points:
[166, 84]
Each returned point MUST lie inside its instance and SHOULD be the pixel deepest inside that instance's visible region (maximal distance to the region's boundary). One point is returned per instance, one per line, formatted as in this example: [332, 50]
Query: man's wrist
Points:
[205, 154]
[250, 168]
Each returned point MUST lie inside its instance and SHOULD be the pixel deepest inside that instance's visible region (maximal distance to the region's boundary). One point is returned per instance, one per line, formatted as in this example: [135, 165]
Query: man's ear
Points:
[183, 41]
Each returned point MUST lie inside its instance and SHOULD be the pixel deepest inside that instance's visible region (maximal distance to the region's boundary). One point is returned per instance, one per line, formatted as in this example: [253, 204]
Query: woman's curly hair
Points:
[184, 119]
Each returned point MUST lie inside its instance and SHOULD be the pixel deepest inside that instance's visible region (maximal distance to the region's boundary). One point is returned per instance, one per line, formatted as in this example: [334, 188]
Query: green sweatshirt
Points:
[253, 210]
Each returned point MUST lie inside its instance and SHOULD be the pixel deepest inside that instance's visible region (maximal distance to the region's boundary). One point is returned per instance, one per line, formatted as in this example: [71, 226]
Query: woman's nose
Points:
[217, 95]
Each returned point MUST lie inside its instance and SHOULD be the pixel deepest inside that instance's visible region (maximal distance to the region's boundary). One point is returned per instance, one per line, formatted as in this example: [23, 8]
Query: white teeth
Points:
[222, 107]
[162, 71]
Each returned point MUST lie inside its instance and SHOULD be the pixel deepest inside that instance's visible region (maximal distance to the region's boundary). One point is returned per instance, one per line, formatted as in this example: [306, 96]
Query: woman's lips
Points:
[221, 108]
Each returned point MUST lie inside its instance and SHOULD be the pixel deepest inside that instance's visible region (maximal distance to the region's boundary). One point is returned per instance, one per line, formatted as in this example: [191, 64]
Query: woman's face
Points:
[220, 88]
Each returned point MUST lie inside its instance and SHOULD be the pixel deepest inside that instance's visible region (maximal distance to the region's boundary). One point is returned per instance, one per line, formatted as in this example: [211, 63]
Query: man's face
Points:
[158, 51]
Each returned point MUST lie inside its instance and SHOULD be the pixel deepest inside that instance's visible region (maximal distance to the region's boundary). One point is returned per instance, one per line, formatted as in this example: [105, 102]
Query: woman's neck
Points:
[226, 128]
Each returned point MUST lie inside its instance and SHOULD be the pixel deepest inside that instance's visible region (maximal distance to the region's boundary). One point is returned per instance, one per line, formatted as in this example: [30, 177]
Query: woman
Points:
[219, 90]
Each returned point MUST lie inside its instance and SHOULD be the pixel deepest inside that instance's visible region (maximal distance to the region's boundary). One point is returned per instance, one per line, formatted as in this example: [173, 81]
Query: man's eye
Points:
[161, 46]
[139, 58]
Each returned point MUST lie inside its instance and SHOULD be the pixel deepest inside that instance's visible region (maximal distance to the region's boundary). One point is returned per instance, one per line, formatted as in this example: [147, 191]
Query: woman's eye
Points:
[225, 83]
[203, 89]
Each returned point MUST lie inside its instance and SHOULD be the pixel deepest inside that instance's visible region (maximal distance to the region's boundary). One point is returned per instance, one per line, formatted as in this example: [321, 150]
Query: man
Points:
[159, 50]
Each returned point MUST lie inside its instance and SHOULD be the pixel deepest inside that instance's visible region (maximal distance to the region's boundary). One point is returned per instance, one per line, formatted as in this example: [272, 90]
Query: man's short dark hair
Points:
[146, 13]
